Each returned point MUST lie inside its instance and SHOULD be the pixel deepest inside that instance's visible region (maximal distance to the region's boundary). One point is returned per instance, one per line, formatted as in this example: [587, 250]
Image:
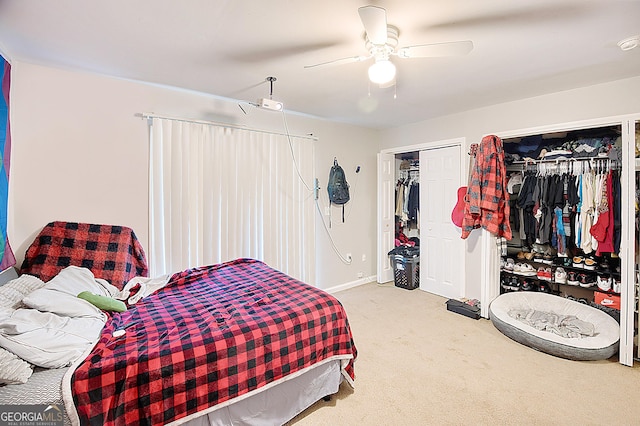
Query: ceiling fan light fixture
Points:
[382, 72]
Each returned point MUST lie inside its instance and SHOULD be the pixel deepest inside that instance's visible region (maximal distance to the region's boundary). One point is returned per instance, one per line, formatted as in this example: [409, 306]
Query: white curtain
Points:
[219, 193]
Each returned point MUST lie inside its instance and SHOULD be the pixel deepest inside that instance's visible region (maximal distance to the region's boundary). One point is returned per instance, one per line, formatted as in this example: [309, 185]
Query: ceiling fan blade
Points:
[374, 20]
[524, 15]
[340, 61]
[254, 55]
[454, 48]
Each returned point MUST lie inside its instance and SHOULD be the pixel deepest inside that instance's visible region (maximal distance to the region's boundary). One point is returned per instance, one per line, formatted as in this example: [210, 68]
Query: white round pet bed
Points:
[505, 310]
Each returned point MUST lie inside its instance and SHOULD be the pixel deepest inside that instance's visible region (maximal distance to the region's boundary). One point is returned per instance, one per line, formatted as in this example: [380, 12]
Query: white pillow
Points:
[60, 293]
[13, 370]
[12, 293]
[46, 339]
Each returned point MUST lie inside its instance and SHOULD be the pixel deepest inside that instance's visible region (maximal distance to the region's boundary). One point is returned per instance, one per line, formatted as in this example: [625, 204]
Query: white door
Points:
[386, 209]
[441, 248]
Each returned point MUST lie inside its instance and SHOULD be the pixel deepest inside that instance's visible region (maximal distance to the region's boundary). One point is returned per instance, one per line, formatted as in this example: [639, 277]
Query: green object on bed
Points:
[103, 302]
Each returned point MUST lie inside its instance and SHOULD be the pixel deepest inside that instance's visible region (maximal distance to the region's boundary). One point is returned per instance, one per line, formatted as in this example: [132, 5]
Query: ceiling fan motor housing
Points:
[383, 51]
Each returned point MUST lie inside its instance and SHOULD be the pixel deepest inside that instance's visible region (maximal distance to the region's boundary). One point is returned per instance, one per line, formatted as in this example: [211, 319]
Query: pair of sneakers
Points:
[544, 273]
[524, 269]
[584, 262]
[510, 283]
[572, 278]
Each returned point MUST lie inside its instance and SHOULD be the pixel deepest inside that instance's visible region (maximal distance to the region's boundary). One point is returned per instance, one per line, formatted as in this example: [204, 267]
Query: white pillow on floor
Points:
[13, 370]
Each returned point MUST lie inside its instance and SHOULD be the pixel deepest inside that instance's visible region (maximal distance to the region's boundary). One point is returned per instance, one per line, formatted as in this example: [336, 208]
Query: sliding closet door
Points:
[441, 248]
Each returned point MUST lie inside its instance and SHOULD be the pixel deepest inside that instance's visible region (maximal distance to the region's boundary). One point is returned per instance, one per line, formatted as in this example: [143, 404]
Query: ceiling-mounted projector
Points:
[270, 104]
[267, 103]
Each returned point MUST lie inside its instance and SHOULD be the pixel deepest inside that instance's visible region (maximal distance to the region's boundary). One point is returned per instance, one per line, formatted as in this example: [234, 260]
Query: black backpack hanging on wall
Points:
[338, 187]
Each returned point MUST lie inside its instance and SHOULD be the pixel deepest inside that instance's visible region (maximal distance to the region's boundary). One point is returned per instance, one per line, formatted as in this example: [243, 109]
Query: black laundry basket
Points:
[406, 267]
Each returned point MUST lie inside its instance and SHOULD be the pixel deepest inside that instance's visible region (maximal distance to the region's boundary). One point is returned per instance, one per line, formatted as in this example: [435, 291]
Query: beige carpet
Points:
[419, 364]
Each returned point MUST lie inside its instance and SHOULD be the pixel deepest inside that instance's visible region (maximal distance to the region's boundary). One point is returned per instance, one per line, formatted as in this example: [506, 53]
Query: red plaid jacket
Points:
[487, 199]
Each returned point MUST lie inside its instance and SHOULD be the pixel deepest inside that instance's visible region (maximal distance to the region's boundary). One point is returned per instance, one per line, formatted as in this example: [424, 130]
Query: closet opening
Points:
[407, 199]
[432, 173]
[565, 214]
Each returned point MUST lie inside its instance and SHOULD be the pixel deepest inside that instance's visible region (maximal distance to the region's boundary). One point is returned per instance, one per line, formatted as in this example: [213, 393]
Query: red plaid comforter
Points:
[212, 334]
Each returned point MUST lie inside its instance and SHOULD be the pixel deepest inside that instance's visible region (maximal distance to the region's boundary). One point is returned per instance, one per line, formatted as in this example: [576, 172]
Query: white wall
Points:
[80, 153]
[601, 101]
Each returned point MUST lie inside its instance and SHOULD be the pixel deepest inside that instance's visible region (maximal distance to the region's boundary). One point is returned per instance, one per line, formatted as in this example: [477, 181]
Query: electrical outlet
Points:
[360, 274]
[364, 257]
[349, 257]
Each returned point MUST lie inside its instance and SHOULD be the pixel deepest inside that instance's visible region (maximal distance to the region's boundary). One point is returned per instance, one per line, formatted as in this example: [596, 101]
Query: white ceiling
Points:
[523, 48]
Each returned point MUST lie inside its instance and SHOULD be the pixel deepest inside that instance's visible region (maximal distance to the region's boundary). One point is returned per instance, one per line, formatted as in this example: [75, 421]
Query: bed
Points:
[590, 334]
[234, 343]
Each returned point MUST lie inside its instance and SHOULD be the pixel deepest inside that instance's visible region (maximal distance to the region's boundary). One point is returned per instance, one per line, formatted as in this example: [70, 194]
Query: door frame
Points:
[382, 255]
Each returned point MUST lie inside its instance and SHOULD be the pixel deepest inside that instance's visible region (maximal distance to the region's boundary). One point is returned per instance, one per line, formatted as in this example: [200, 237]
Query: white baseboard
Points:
[351, 284]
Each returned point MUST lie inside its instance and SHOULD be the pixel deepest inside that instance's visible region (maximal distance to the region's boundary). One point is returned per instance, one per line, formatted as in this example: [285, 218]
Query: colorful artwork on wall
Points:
[7, 258]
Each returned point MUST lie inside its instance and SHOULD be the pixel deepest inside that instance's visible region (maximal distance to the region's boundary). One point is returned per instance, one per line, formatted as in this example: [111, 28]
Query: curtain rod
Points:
[149, 115]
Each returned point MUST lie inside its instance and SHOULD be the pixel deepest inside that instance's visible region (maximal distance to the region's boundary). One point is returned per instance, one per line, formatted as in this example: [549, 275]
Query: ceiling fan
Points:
[381, 41]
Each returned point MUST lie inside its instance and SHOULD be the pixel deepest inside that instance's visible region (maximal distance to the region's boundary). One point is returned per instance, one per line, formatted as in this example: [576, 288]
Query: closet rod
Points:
[559, 160]
[150, 115]
[578, 166]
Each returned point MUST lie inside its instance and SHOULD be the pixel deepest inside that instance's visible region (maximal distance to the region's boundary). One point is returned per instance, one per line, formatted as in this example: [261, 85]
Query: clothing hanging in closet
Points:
[408, 199]
[569, 209]
[487, 201]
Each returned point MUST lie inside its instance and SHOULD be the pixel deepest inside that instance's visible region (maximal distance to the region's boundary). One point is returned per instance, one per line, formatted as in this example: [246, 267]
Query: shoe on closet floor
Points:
[604, 283]
[512, 283]
[615, 286]
[604, 266]
[578, 262]
[586, 280]
[528, 285]
[560, 276]
[540, 273]
[504, 283]
[509, 264]
[590, 263]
